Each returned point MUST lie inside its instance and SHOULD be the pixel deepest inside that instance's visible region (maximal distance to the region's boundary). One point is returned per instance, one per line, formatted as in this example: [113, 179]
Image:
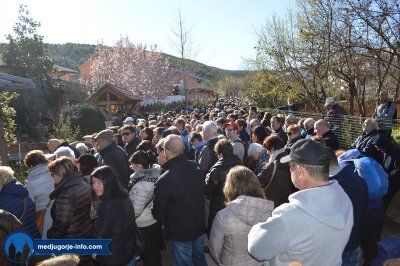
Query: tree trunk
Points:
[3, 145]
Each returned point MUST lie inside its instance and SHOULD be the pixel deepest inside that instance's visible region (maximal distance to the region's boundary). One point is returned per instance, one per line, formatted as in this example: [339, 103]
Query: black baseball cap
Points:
[308, 152]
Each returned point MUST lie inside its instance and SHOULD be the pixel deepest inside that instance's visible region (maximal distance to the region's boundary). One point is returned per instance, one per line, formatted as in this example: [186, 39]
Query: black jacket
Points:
[71, 208]
[208, 157]
[179, 199]
[281, 134]
[215, 182]
[131, 146]
[365, 144]
[289, 144]
[279, 186]
[291, 108]
[116, 221]
[331, 140]
[115, 157]
[335, 116]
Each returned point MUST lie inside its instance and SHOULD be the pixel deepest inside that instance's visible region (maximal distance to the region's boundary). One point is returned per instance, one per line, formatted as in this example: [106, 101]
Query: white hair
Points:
[309, 123]
[254, 148]
[291, 118]
[211, 127]
[65, 151]
[82, 148]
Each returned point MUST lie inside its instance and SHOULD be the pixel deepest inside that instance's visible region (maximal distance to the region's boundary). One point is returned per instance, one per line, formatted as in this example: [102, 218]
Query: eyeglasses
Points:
[126, 133]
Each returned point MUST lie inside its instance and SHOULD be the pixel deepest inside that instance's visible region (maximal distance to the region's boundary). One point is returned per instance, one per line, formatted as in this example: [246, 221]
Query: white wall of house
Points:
[167, 100]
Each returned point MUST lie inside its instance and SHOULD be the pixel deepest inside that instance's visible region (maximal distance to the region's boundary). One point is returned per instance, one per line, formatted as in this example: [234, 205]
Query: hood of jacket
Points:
[251, 210]
[38, 170]
[15, 188]
[152, 173]
[327, 204]
[69, 180]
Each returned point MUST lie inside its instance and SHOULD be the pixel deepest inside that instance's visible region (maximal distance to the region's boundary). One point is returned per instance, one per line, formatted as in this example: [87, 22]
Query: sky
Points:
[223, 31]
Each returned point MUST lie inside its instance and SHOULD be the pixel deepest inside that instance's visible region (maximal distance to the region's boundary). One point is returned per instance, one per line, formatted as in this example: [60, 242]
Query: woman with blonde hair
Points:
[246, 207]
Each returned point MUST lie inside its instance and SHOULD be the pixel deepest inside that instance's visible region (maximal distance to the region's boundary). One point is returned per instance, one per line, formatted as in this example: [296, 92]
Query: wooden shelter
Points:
[114, 99]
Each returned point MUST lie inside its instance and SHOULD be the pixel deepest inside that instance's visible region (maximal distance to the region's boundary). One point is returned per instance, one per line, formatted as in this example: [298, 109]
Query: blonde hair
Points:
[63, 260]
[6, 175]
[242, 181]
[62, 166]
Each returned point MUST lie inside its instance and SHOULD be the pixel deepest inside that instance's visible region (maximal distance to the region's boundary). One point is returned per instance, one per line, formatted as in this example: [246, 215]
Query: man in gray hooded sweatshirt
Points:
[314, 227]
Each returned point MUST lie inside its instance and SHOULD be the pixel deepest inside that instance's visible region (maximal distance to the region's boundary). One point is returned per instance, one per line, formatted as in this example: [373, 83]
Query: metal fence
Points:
[347, 128]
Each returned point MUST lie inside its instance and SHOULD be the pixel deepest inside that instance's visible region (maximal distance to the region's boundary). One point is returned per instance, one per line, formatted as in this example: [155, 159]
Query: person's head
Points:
[65, 152]
[241, 181]
[145, 145]
[254, 151]
[129, 121]
[103, 139]
[259, 134]
[223, 148]
[173, 146]
[290, 101]
[333, 161]
[321, 127]
[309, 124]
[61, 168]
[231, 130]
[309, 164]
[293, 132]
[61, 260]
[157, 134]
[290, 120]
[267, 116]
[383, 95]
[146, 134]
[319, 139]
[210, 130]
[6, 175]
[160, 151]
[276, 123]
[241, 124]
[87, 163]
[254, 123]
[142, 160]
[53, 144]
[9, 223]
[301, 123]
[105, 184]
[252, 113]
[370, 125]
[222, 115]
[195, 138]
[82, 148]
[273, 143]
[127, 132]
[34, 158]
[329, 102]
[180, 124]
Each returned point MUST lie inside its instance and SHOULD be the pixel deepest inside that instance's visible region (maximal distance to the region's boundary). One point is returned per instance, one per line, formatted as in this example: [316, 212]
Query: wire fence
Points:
[347, 128]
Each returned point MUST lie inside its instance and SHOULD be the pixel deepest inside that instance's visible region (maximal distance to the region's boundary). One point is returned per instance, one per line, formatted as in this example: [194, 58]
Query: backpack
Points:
[374, 175]
[245, 159]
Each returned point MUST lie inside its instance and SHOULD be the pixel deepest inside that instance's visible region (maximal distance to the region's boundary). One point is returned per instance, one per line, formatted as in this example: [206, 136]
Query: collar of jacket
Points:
[373, 132]
[278, 131]
[275, 154]
[107, 148]
[328, 133]
[69, 180]
[173, 161]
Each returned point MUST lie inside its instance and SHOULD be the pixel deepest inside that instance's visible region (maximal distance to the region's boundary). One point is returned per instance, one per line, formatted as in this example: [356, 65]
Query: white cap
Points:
[128, 119]
[329, 100]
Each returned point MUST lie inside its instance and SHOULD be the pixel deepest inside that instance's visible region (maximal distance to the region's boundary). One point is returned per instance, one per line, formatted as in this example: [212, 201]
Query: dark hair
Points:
[223, 147]
[280, 120]
[145, 145]
[261, 133]
[149, 133]
[145, 158]
[194, 135]
[181, 122]
[34, 158]
[273, 142]
[241, 123]
[159, 130]
[112, 187]
[130, 128]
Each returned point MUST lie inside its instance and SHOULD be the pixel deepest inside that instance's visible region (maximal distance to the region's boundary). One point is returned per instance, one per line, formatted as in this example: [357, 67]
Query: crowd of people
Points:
[258, 186]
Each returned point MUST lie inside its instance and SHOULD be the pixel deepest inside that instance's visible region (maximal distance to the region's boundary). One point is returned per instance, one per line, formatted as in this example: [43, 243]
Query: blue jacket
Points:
[12, 200]
[197, 150]
[357, 190]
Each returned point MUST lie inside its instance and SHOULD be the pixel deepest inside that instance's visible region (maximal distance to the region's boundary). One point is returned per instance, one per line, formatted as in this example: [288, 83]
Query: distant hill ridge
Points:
[71, 55]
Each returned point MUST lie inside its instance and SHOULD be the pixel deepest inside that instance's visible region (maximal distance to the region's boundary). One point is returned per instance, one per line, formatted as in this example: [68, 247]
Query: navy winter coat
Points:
[13, 197]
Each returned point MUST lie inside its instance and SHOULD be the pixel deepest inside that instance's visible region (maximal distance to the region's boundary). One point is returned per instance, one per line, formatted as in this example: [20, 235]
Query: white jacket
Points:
[141, 194]
[39, 185]
[313, 228]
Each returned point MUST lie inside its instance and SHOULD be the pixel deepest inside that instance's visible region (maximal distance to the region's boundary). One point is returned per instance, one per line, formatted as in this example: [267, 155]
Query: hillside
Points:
[71, 55]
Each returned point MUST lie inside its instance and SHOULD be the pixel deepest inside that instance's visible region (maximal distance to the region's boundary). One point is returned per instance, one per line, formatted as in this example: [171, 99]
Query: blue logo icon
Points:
[18, 247]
